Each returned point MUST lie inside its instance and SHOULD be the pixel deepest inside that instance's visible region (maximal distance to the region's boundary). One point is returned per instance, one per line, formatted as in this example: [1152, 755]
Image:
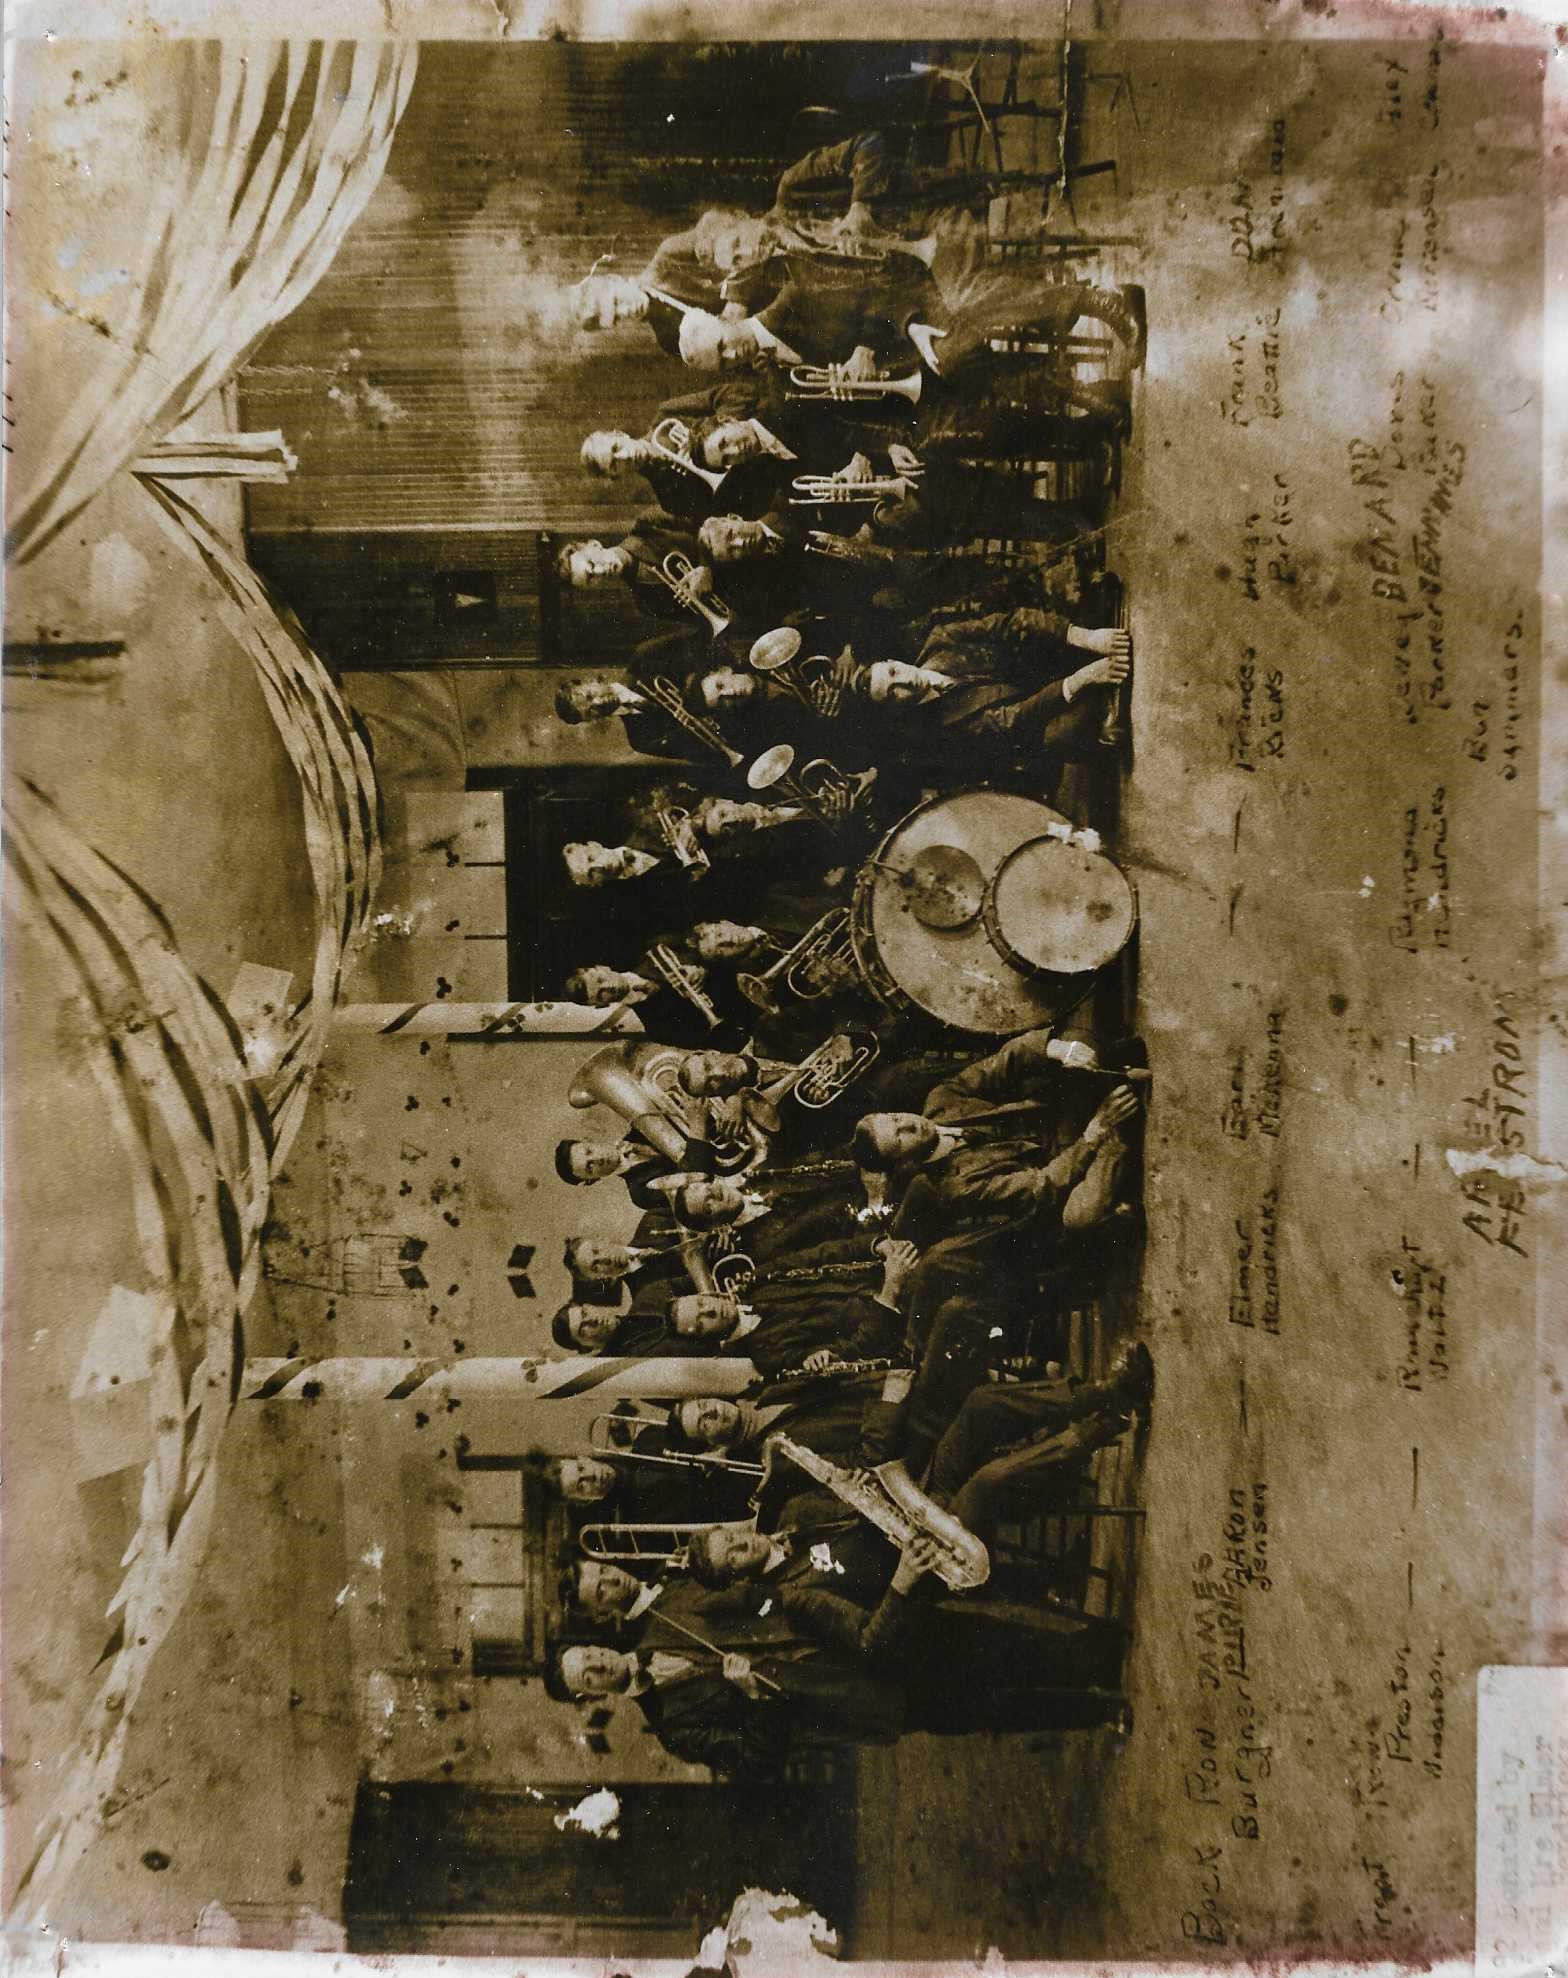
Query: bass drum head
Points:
[1055, 909]
[956, 973]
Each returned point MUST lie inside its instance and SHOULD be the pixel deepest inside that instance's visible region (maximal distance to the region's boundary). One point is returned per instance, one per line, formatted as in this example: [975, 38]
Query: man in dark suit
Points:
[835, 1302]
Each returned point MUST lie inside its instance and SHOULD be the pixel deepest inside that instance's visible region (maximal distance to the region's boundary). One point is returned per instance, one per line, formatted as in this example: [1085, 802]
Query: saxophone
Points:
[891, 1499]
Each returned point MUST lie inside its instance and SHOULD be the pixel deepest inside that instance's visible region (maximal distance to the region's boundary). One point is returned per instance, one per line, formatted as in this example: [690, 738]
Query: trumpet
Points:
[676, 572]
[851, 550]
[671, 439]
[664, 693]
[822, 960]
[817, 490]
[827, 381]
[812, 680]
[892, 1501]
[684, 977]
[812, 785]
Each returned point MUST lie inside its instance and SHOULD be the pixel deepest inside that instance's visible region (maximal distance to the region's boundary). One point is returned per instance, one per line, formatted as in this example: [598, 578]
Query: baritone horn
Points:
[822, 960]
[671, 438]
[676, 573]
[824, 1075]
[827, 381]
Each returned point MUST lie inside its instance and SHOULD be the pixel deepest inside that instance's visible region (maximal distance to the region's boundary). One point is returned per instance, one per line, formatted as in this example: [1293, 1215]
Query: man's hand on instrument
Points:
[1098, 673]
[699, 583]
[899, 1259]
[858, 470]
[921, 1555]
[1076, 1056]
[903, 459]
[1112, 1115]
[737, 1670]
[857, 223]
[860, 366]
[815, 1362]
[1113, 639]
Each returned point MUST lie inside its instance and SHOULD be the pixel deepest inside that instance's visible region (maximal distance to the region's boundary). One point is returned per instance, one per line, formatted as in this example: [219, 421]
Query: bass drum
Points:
[976, 911]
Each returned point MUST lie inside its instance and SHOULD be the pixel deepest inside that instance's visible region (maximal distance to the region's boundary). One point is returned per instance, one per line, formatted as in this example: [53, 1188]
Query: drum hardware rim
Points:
[1032, 971]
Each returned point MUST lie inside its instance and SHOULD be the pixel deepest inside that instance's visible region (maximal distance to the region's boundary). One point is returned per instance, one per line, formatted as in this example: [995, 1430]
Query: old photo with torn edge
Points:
[783, 901]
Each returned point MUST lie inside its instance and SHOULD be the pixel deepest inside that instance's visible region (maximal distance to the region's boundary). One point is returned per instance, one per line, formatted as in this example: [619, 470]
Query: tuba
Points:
[634, 1081]
[675, 573]
[664, 693]
[827, 381]
[821, 961]
[891, 1499]
[671, 439]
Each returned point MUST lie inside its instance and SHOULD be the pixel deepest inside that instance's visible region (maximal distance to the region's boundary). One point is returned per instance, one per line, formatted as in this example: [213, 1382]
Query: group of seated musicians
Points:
[876, 1335]
[877, 402]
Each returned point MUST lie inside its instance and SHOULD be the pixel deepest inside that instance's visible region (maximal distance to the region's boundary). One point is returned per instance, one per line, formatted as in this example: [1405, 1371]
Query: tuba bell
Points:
[630, 1080]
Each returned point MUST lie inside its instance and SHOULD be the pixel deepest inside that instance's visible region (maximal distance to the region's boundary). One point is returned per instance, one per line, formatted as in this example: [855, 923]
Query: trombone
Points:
[676, 573]
[671, 440]
[811, 680]
[603, 1443]
[827, 381]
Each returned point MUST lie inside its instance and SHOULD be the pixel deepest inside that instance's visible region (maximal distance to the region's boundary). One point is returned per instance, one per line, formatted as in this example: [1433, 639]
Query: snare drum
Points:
[973, 912]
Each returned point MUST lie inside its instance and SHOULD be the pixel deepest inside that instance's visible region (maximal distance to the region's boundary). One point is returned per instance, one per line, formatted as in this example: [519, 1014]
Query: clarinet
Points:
[839, 1370]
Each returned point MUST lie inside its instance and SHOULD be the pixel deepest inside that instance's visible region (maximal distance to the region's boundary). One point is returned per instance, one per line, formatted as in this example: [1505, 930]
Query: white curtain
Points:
[194, 1128]
[286, 142]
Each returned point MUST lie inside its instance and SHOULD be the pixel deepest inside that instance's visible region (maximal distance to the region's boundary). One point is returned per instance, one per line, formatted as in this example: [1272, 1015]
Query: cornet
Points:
[671, 438]
[810, 680]
[809, 785]
[827, 381]
[685, 978]
[676, 573]
[664, 693]
[684, 842]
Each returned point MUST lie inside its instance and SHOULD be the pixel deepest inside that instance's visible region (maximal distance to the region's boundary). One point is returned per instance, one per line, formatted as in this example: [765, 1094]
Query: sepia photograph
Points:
[784, 1028]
